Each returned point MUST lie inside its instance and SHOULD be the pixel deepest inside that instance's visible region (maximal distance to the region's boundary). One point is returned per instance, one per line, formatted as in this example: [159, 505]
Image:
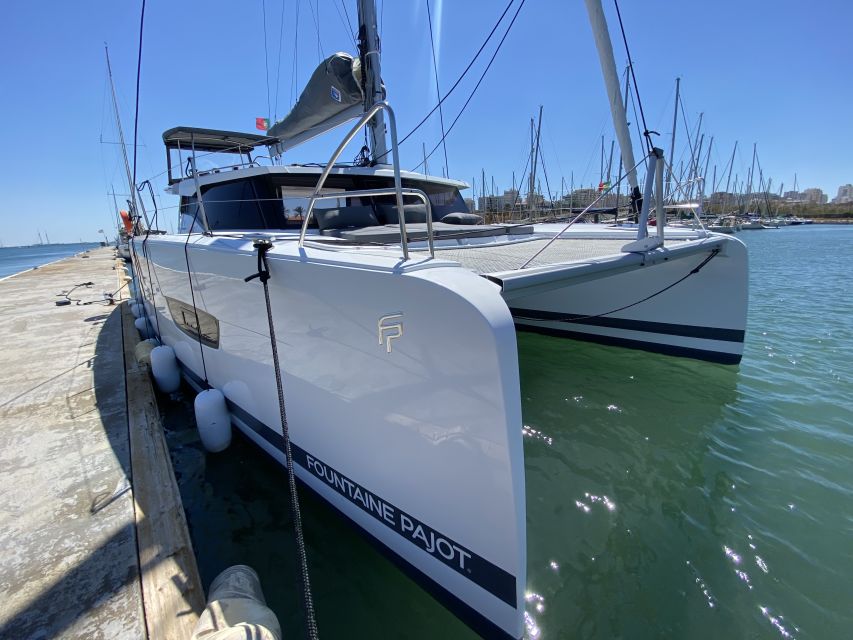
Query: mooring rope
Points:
[263, 274]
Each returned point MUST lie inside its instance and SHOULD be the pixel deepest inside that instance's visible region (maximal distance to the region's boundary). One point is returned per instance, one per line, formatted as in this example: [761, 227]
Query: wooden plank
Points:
[171, 587]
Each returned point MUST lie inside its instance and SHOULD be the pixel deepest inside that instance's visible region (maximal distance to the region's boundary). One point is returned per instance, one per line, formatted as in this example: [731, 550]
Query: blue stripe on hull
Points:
[664, 328]
[467, 614]
[720, 357]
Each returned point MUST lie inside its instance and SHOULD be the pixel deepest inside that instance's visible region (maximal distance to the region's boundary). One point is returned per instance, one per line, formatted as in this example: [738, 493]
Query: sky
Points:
[775, 74]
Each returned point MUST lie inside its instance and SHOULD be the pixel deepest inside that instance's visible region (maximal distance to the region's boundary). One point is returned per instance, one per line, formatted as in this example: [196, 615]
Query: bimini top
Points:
[214, 140]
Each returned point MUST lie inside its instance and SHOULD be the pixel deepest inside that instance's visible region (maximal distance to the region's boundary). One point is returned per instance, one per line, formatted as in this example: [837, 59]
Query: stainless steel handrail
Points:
[398, 185]
[406, 191]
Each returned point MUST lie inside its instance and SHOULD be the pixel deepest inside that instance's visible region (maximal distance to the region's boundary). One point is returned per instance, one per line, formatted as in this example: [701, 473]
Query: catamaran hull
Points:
[401, 393]
[690, 300]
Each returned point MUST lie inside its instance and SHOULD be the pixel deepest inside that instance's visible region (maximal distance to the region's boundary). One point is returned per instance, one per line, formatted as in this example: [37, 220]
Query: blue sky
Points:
[773, 73]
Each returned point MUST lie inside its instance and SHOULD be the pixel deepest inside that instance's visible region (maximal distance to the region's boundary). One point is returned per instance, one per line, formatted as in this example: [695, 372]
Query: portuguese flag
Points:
[603, 185]
[262, 124]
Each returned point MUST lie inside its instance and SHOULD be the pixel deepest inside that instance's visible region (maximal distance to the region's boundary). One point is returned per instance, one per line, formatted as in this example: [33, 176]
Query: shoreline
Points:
[39, 266]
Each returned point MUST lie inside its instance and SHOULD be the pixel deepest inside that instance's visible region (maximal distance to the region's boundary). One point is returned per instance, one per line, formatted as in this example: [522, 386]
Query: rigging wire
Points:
[437, 90]
[556, 157]
[521, 182]
[136, 114]
[346, 13]
[266, 58]
[192, 293]
[646, 132]
[570, 318]
[477, 86]
[687, 131]
[278, 66]
[632, 91]
[294, 73]
[347, 24]
[545, 173]
[146, 252]
[314, 16]
[460, 78]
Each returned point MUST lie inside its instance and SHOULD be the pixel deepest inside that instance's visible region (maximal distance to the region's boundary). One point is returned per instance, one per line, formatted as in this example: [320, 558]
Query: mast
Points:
[714, 180]
[369, 48]
[610, 160]
[707, 162]
[535, 152]
[694, 169]
[752, 173]
[614, 93]
[121, 134]
[530, 177]
[572, 193]
[731, 166]
[672, 142]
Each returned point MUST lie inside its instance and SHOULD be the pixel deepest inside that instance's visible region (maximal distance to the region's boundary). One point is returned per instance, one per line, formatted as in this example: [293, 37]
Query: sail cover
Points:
[334, 87]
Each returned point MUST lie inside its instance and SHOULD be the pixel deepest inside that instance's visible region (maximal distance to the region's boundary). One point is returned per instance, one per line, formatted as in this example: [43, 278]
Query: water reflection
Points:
[626, 428]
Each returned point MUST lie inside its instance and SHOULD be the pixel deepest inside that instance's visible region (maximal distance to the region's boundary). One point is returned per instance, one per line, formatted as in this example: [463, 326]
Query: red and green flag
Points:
[262, 124]
[603, 185]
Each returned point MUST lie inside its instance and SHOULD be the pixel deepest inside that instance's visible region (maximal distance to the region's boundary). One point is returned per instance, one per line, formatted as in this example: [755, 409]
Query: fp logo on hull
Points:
[389, 330]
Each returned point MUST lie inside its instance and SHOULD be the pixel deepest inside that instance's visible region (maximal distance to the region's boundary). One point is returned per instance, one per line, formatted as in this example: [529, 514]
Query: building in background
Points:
[845, 194]
[506, 202]
[815, 196]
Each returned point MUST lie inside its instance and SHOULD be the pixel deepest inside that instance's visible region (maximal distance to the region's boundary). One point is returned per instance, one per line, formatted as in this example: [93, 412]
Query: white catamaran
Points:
[395, 315]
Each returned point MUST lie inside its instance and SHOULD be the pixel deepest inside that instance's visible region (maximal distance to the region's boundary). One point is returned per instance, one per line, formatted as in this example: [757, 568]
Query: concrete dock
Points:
[90, 546]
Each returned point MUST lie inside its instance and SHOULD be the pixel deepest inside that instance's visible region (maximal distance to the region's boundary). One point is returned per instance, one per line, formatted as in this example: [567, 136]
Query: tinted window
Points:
[242, 204]
[442, 198]
[189, 215]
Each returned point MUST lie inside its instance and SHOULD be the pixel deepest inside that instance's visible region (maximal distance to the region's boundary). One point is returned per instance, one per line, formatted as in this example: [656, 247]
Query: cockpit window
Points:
[242, 204]
[281, 202]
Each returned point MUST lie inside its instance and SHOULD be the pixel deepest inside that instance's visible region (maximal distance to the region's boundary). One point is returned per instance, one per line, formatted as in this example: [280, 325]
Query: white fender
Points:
[135, 310]
[236, 609]
[142, 352]
[164, 368]
[213, 420]
[141, 325]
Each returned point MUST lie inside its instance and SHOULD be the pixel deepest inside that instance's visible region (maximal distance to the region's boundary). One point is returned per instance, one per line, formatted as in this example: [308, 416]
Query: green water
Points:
[666, 498]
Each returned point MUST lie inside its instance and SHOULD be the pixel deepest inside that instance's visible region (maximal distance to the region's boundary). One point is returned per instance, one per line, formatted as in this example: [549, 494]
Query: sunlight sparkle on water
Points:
[532, 629]
[530, 432]
[730, 553]
[776, 622]
[700, 582]
[594, 499]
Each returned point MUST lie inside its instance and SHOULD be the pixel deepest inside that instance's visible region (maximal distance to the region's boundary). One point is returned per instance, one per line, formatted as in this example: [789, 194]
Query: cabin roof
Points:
[186, 186]
[214, 140]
